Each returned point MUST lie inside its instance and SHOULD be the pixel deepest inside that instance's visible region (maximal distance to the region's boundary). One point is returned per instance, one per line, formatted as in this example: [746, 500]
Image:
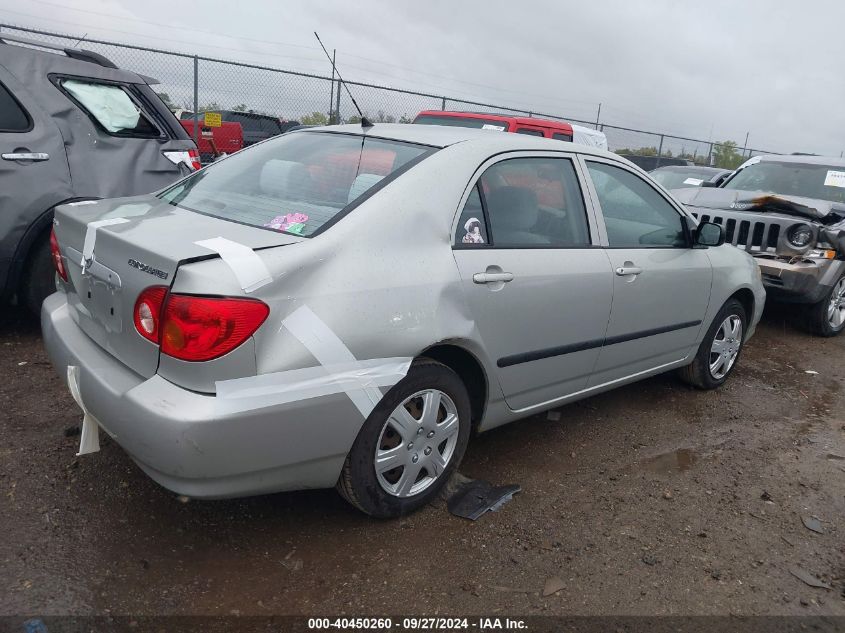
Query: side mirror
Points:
[709, 234]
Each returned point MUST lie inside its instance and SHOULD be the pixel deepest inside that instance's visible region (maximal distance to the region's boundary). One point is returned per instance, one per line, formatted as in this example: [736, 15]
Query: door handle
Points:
[624, 271]
[34, 156]
[491, 278]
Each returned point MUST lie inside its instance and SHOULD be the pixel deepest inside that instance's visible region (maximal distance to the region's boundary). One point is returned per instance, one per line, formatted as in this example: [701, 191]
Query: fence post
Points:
[710, 155]
[337, 102]
[660, 150]
[443, 104]
[331, 92]
[196, 101]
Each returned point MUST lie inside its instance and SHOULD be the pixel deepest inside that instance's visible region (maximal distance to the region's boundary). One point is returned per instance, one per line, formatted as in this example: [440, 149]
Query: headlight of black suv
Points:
[800, 235]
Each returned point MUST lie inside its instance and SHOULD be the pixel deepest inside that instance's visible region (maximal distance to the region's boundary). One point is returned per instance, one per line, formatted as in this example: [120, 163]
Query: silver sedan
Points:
[347, 307]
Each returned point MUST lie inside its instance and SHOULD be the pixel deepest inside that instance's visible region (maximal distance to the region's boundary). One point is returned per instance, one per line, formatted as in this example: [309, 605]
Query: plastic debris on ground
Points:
[812, 524]
[808, 579]
[475, 497]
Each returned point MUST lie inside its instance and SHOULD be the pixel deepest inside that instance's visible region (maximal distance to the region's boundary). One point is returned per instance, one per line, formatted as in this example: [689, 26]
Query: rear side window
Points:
[111, 106]
[529, 131]
[559, 136]
[295, 183]
[457, 121]
[13, 118]
[527, 203]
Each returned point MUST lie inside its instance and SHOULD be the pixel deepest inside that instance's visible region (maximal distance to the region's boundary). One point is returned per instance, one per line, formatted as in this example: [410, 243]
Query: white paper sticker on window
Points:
[488, 126]
[835, 179]
[695, 182]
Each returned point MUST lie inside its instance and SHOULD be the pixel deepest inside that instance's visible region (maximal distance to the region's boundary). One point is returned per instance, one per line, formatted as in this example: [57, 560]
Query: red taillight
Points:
[56, 254]
[194, 155]
[147, 313]
[196, 328]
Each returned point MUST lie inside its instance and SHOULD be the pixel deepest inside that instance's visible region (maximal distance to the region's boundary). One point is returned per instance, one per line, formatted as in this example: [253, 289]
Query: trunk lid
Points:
[145, 247]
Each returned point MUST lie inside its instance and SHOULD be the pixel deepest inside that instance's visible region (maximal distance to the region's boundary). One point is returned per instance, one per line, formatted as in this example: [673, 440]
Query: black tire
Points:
[358, 482]
[698, 373]
[38, 280]
[816, 315]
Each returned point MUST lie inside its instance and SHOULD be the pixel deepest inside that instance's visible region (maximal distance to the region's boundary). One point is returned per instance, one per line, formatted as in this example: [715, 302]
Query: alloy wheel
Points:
[836, 307]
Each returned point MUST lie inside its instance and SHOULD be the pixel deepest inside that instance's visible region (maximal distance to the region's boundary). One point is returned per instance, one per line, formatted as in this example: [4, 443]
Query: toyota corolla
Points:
[347, 306]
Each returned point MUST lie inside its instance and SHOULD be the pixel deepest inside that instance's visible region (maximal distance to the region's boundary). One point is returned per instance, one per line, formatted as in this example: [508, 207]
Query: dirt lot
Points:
[653, 499]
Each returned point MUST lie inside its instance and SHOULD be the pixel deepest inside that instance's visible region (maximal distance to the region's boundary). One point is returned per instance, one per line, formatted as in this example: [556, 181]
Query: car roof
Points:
[443, 135]
[833, 161]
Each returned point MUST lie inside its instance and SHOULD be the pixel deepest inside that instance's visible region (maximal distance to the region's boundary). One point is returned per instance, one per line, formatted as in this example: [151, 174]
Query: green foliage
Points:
[315, 118]
[405, 119]
[726, 155]
[642, 151]
[167, 101]
[241, 107]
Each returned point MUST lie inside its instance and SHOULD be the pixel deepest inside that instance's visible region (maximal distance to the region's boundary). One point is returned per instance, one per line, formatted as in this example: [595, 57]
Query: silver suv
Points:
[789, 213]
[72, 126]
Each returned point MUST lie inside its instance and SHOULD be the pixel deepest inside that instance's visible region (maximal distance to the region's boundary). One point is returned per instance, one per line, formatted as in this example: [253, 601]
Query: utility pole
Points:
[598, 116]
[746, 144]
[331, 96]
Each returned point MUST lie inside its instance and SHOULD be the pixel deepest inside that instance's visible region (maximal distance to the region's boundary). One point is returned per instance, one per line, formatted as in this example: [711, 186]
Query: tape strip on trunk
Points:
[91, 239]
[89, 442]
[244, 262]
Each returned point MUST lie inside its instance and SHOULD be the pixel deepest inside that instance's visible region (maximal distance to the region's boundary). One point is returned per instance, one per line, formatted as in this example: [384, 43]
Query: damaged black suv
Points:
[789, 213]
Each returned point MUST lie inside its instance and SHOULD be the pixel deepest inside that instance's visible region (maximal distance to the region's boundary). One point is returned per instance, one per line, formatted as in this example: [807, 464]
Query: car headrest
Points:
[512, 207]
[285, 178]
[361, 183]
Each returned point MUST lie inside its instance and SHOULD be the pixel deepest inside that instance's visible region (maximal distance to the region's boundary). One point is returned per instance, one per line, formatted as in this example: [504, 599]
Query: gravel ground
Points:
[653, 499]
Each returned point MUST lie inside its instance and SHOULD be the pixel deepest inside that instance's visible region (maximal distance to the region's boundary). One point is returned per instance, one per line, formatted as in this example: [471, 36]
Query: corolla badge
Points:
[147, 269]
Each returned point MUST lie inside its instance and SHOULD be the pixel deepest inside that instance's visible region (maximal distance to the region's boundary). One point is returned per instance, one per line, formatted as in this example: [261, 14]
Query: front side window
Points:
[528, 203]
[111, 106]
[635, 215]
[13, 118]
[294, 183]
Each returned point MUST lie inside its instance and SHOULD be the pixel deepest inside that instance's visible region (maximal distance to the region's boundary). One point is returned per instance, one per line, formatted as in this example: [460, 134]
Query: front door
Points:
[661, 284]
[538, 286]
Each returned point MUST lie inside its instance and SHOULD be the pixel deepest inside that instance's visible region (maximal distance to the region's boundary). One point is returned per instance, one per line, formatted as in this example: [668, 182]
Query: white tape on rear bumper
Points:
[244, 262]
[338, 372]
[282, 387]
[91, 239]
[89, 442]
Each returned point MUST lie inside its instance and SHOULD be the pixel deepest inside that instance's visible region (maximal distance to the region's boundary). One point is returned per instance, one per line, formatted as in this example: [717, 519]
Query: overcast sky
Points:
[714, 69]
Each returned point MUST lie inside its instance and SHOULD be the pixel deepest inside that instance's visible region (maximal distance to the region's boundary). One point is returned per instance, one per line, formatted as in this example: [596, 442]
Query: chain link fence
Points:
[198, 83]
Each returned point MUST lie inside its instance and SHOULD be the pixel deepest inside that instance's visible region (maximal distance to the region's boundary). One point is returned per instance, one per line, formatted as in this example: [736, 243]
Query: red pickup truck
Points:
[226, 139]
[503, 123]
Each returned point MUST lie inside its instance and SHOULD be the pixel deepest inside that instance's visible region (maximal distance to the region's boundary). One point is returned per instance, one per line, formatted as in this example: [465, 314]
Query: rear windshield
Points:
[823, 182]
[295, 183]
[457, 121]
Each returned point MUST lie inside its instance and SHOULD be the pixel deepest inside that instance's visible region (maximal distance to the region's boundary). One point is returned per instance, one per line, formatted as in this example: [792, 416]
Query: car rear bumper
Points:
[800, 282]
[186, 441]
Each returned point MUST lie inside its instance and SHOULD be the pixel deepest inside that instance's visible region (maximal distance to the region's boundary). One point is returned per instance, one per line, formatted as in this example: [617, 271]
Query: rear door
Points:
[538, 284]
[116, 140]
[661, 284]
[34, 174]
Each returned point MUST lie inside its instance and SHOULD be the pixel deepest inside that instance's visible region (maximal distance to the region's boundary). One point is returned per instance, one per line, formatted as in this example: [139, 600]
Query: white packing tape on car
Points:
[282, 387]
[338, 372]
[89, 442]
[244, 262]
[91, 239]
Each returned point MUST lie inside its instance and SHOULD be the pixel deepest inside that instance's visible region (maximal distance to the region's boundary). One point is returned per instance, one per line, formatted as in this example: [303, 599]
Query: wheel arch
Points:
[469, 369]
[746, 297]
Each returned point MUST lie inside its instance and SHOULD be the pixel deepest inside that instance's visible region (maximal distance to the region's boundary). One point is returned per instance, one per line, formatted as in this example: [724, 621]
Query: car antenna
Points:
[365, 122]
